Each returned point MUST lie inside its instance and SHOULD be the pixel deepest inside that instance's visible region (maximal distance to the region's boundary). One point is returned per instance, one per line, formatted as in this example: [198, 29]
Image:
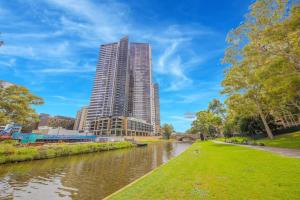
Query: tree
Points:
[259, 56]
[16, 105]
[207, 123]
[191, 130]
[215, 106]
[167, 130]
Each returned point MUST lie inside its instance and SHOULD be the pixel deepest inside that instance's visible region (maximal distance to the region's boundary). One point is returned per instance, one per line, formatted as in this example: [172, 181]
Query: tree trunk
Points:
[263, 118]
[286, 119]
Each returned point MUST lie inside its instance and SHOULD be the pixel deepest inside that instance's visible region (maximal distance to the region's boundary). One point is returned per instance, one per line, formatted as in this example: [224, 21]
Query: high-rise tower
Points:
[110, 91]
[122, 87]
[140, 67]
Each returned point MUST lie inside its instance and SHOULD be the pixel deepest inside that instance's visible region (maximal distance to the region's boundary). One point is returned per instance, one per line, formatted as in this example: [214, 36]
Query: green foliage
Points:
[13, 142]
[12, 153]
[192, 130]
[16, 105]
[243, 140]
[216, 107]
[264, 58]
[291, 140]
[207, 123]
[167, 130]
[215, 171]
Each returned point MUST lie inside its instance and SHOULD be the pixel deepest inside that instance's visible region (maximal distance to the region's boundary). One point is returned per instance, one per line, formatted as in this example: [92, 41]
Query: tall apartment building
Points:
[80, 122]
[122, 85]
[109, 94]
[141, 74]
[156, 106]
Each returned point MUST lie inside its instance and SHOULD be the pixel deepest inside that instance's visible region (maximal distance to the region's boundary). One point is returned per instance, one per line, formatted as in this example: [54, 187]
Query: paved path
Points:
[295, 153]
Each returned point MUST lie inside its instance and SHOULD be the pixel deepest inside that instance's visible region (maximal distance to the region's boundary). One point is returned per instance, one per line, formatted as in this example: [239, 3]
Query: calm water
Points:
[89, 176]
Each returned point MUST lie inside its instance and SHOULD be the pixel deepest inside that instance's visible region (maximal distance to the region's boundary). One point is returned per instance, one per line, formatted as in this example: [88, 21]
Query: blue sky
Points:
[52, 46]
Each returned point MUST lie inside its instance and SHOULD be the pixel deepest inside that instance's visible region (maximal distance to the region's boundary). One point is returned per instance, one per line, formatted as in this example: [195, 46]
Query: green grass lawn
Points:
[291, 140]
[218, 171]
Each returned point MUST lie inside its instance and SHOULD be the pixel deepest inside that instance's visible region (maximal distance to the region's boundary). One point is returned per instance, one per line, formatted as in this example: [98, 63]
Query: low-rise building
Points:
[120, 126]
[80, 122]
[5, 84]
[56, 121]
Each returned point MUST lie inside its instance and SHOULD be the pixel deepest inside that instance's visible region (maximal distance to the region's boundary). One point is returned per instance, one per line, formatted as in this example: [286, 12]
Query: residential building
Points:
[140, 68]
[109, 95]
[80, 121]
[121, 126]
[123, 86]
[5, 84]
[47, 121]
[156, 105]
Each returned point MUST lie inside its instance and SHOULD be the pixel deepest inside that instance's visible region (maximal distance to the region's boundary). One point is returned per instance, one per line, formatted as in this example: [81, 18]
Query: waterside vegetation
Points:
[291, 140]
[10, 152]
[262, 81]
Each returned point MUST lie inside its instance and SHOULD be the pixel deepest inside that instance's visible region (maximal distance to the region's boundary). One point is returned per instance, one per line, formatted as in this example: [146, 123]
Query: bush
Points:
[7, 149]
[11, 153]
[12, 142]
[241, 140]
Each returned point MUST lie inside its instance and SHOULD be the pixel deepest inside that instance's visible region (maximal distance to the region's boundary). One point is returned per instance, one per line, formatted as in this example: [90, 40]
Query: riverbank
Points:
[10, 153]
[217, 171]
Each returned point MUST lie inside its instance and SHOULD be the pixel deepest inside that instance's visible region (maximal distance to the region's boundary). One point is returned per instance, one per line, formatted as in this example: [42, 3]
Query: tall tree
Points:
[217, 107]
[258, 56]
[16, 105]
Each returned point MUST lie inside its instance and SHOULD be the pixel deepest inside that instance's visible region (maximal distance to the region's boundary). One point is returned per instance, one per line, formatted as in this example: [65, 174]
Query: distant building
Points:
[156, 109]
[80, 121]
[47, 121]
[5, 84]
[43, 119]
[123, 85]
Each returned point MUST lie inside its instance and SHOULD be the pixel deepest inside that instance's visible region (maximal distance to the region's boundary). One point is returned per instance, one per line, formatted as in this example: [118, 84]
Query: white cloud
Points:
[182, 118]
[9, 63]
[82, 26]
[37, 51]
[68, 101]
[105, 21]
[181, 80]
[67, 67]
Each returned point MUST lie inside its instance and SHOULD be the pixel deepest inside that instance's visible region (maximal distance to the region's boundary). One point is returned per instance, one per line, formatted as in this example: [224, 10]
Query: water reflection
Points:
[89, 176]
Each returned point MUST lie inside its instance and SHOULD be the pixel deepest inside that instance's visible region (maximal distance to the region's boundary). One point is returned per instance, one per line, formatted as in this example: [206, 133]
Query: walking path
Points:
[295, 153]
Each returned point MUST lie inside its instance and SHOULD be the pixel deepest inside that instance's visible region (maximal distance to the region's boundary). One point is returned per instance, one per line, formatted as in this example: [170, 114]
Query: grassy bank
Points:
[12, 153]
[216, 171]
[291, 140]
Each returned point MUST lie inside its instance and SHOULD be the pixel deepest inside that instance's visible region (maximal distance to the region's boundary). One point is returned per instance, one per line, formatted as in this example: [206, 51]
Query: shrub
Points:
[10, 153]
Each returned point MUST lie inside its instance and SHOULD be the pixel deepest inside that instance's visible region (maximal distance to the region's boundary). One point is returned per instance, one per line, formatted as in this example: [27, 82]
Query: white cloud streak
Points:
[89, 24]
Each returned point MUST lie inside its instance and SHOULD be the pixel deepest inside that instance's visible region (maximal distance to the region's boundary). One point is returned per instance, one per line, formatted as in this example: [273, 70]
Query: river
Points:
[87, 176]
